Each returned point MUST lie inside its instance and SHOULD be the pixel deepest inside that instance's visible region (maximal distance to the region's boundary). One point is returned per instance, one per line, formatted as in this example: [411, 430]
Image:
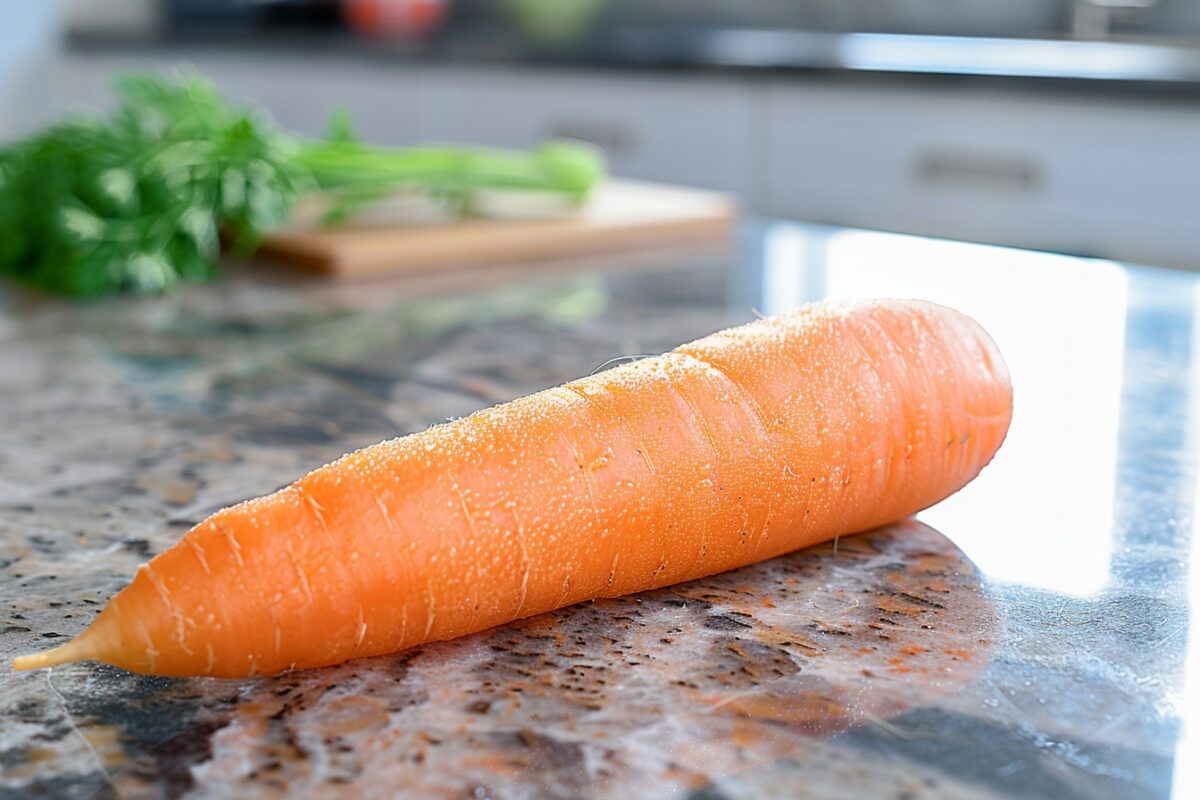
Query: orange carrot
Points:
[735, 448]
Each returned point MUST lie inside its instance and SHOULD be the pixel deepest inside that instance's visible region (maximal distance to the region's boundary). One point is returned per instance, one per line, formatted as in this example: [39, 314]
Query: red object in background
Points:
[395, 18]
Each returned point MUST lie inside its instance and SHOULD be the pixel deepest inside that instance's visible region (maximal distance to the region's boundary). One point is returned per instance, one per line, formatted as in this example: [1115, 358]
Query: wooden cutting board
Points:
[620, 216]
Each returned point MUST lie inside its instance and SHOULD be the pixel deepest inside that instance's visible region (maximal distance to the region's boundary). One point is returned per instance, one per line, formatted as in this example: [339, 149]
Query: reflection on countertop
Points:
[1061, 324]
[1069, 59]
[1028, 637]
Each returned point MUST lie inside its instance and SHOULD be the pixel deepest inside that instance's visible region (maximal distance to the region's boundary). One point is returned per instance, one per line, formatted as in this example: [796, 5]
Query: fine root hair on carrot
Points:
[738, 447]
[621, 360]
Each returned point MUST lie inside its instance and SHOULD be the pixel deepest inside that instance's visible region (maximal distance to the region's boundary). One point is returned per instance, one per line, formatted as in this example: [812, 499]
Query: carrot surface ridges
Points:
[738, 447]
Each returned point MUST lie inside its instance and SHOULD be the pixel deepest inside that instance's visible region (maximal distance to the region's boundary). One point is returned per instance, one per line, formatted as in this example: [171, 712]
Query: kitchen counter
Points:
[1028, 637]
[1160, 65]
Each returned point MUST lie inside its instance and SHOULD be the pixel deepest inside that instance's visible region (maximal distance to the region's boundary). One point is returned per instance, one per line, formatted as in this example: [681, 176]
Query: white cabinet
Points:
[682, 129]
[1114, 178]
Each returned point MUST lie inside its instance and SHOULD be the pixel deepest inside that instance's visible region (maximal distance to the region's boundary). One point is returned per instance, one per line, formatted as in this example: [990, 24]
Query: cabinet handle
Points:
[979, 171]
[612, 139]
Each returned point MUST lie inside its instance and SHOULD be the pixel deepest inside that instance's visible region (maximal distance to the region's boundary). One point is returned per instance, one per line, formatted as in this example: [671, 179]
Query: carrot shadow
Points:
[642, 695]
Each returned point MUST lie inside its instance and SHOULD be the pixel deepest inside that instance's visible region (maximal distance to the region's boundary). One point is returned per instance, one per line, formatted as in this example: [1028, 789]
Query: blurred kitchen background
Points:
[1065, 125]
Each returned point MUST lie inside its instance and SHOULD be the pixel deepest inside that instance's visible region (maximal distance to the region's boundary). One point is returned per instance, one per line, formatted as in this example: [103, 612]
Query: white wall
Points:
[29, 30]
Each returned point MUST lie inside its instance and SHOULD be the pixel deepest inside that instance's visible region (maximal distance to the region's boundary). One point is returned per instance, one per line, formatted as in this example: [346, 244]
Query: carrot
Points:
[735, 448]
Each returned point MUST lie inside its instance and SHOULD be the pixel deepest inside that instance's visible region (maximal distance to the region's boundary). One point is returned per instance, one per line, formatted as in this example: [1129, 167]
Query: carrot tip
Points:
[63, 654]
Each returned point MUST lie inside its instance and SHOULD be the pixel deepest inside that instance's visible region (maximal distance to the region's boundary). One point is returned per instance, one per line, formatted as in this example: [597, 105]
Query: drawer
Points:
[1114, 180]
[685, 131]
[301, 93]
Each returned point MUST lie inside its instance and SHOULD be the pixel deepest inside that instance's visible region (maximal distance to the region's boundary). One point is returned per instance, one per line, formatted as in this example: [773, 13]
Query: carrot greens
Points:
[137, 200]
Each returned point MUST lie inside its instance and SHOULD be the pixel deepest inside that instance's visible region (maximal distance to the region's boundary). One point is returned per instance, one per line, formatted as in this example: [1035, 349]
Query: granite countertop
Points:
[1029, 637]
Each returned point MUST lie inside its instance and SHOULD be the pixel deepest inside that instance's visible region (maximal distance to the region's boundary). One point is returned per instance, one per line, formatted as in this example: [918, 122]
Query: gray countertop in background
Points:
[1115, 65]
[1027, 638]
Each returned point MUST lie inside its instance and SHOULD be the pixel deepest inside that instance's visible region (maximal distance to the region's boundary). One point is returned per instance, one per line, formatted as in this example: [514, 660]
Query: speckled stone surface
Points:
[887, 665]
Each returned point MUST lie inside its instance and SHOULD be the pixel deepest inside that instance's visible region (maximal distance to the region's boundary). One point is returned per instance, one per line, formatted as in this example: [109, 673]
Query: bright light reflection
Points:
[783, 268]
[1027, 57]
[1042, 513]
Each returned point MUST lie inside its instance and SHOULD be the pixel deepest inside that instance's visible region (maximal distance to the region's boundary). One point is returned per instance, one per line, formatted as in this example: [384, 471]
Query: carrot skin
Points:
[738, 447]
